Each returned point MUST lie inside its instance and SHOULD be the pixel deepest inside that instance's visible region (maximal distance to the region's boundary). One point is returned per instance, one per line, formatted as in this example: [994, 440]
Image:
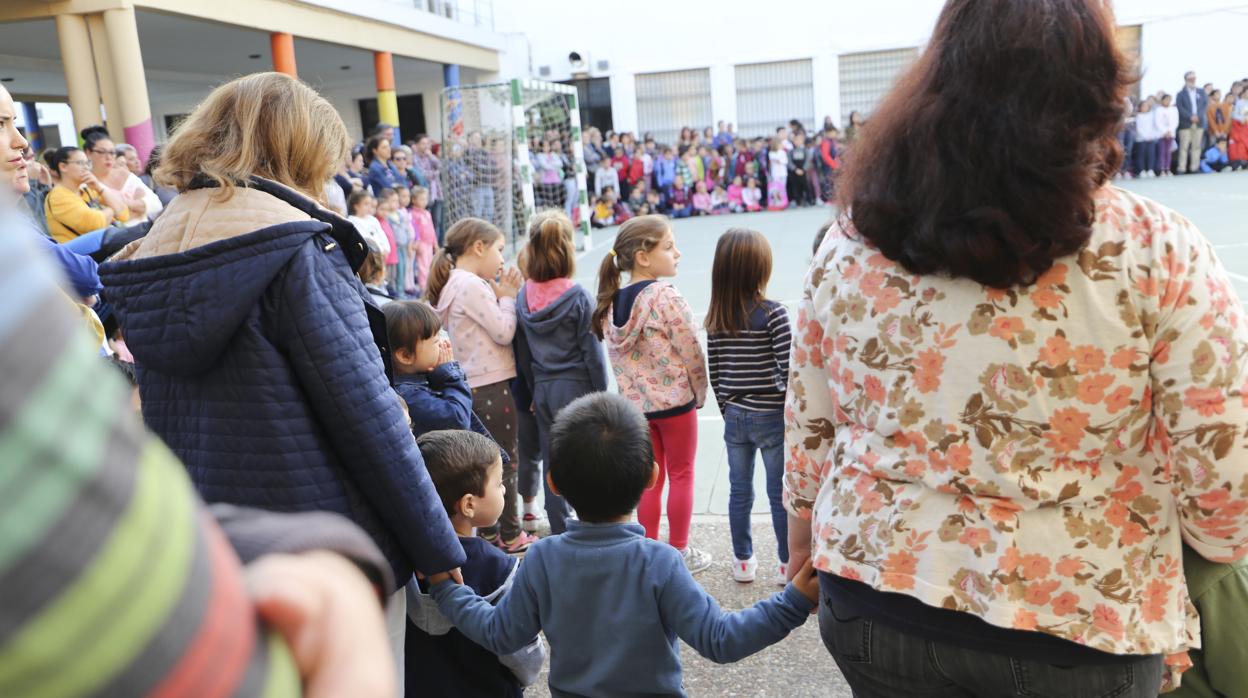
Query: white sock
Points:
[530, 507]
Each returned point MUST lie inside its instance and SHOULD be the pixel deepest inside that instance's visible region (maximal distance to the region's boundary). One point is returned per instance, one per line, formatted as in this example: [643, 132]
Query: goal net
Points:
[509, 149]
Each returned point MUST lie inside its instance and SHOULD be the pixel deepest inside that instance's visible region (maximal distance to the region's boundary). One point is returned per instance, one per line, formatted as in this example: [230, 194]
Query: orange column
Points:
[284, 53]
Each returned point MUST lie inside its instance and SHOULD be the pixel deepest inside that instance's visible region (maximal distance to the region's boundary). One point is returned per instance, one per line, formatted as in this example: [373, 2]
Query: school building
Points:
[655, 66]
[650, 65]
[138, 66]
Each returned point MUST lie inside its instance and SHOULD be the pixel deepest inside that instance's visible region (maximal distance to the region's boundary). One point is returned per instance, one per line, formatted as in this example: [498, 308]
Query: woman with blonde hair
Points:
[262, 361]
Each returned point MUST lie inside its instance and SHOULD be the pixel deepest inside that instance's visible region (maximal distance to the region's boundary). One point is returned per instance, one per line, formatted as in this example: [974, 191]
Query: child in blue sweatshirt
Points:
[559, 359]
[611, 601]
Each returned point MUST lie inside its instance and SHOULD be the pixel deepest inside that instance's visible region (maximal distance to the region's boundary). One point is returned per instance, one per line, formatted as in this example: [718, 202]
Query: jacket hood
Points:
[182, 291]
[624, 339]
[550, 316]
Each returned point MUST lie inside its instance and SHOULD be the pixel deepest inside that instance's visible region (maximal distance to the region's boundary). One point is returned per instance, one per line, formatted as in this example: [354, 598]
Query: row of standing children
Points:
[540, 340]
[397, 223]
[544, 336]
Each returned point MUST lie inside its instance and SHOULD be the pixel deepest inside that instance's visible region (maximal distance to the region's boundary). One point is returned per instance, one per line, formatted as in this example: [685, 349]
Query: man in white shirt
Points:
[1191, 102]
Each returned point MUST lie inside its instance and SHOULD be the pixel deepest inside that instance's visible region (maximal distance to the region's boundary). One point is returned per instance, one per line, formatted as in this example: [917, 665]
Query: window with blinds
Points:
[769, 95]
[868, 76]
[668, 101]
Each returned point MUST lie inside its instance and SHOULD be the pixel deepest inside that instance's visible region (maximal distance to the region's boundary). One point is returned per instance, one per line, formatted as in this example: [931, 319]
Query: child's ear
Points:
[551, 482]
[466, 506]
[478, 248]
[405, 355]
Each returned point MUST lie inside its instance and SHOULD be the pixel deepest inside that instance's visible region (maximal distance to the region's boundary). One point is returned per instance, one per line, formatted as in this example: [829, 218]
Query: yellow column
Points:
[84, 95]
[127, 60]
[107, 80]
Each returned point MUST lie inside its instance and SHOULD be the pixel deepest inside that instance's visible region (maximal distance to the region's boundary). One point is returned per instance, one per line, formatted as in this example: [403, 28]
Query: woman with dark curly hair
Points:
[1016, 389]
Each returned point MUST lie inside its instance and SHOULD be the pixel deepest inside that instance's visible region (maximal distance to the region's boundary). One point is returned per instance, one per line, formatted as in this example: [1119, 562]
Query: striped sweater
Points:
[750, 369]
[114, 579]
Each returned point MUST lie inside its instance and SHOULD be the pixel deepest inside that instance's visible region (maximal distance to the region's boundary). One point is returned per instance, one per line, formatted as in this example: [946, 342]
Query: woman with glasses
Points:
[80, 203]
[113, 174]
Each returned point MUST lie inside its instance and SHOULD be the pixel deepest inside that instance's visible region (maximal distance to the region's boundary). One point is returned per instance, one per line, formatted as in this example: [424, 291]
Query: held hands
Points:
[454, 575]
[807, 581]
[508, 286]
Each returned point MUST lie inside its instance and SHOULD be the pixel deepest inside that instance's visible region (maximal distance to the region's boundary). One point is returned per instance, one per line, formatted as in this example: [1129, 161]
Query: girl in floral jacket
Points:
[658, 364]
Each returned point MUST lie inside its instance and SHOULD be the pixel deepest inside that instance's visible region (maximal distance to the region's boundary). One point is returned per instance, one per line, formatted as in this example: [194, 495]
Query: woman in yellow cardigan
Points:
[79, 203]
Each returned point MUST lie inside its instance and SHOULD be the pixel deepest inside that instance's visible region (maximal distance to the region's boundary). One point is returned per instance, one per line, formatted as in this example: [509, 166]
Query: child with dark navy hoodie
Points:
[557, 355]
[426, 374]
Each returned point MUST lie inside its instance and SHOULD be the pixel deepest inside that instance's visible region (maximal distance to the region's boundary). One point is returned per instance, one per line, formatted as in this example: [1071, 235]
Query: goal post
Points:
[490, 168]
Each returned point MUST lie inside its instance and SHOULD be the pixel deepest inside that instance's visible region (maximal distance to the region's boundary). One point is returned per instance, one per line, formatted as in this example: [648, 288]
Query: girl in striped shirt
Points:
[748, 357]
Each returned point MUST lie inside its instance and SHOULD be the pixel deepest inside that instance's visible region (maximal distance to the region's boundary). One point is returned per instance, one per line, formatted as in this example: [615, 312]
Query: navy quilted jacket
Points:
[260, 366]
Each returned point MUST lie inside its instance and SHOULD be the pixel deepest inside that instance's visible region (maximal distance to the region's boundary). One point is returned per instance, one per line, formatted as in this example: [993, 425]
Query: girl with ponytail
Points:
[476, 298]
[558, 355]
[652, 341]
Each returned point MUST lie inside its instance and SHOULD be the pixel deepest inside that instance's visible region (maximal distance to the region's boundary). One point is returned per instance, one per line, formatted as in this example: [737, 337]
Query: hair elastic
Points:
[611, 252]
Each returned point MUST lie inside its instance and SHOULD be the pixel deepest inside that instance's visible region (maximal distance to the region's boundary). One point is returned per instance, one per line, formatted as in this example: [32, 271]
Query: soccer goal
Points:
[492, 136]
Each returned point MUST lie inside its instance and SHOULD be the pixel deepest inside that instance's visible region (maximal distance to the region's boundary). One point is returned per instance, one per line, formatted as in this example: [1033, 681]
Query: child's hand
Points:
[445, 353]
[807, 581]
[509, 285]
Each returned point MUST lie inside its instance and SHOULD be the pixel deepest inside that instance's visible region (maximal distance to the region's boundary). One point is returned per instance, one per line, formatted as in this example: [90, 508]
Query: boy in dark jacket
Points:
[467, 470]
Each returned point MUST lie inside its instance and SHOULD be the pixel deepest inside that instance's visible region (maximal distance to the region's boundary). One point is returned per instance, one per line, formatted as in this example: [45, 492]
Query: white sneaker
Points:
[743, 571]
[783, 579]
[696, 560]
[532, 521]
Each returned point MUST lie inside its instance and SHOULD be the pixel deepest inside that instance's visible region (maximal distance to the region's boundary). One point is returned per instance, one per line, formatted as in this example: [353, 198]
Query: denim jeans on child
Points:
[745, 433]
[880, 661]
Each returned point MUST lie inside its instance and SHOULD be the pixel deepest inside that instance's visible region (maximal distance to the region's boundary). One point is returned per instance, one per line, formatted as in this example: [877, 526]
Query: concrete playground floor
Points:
[799, 666]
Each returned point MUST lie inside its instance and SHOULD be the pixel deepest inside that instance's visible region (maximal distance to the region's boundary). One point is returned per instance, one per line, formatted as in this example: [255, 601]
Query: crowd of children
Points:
[493, 352]
[703, 174]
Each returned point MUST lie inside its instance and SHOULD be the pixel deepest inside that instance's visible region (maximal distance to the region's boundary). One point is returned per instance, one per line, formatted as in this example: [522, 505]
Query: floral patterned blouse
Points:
[1030, 456]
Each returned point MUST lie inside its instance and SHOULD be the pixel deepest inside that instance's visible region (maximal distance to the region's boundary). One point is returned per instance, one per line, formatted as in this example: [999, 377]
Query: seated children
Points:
[735, 202]
[654, 202]
[611, 601]
[604, 213]
[752, 196]
[719, 200]
[467, 471]
[701, 199]
[678, 203]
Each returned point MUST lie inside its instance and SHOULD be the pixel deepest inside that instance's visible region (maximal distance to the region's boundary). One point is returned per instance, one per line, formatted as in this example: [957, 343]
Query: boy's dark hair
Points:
[600, 456]
[458, 462]
[409, 322]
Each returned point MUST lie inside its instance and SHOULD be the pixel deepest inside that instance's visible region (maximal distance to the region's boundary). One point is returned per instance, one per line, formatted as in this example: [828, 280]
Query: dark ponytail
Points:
[92, 135]
[640, 234]
[463, 235]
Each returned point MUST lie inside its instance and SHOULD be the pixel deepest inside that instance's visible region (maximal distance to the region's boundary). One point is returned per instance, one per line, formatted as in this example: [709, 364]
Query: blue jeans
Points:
[880, 661]
[745, 433]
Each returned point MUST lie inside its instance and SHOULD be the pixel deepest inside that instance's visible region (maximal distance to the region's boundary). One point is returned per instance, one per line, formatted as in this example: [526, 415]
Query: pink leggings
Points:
[675, 441]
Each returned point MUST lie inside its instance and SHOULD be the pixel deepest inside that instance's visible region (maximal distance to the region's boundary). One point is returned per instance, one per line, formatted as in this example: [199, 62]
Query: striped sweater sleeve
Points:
[115, 580]
[781, 339]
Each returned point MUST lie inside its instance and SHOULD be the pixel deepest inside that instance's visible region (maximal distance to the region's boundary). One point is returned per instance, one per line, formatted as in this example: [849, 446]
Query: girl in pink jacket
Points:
[658, 364]
[476, 299]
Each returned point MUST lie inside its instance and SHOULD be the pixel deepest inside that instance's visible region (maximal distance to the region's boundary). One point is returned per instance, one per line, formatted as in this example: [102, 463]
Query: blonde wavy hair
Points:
[267, 124]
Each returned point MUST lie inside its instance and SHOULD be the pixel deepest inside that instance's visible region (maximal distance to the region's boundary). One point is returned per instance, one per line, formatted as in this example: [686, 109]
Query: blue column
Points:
[33, 134]
[454, 104]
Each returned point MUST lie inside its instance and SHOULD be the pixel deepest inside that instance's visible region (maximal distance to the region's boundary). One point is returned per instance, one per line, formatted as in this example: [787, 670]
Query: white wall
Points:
[1199, 34]
[1202, 43]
